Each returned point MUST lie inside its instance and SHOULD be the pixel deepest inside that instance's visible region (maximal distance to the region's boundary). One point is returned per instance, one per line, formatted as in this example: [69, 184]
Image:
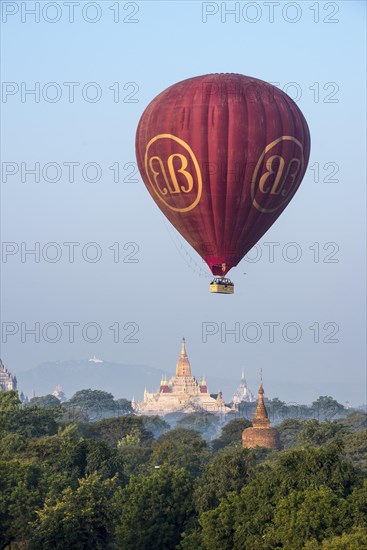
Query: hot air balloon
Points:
[222, 155]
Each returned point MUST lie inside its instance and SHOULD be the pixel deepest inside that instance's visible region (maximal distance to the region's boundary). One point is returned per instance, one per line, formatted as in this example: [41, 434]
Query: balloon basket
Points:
[221, 285]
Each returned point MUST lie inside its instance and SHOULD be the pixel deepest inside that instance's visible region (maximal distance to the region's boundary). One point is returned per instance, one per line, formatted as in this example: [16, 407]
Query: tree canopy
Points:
[133, 482]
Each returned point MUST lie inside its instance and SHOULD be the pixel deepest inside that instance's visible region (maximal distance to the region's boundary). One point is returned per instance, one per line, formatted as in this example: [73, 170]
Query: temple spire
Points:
[183, 349]
[183, 364]
[261, 419]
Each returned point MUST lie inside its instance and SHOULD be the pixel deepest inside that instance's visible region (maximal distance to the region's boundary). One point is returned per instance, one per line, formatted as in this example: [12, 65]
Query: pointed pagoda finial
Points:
[243, 376]
[261, 419]
[183, 349]
[261, 389]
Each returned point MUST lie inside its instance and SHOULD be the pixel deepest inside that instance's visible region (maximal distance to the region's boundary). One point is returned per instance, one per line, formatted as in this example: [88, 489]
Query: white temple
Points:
[59, 394]
[242, 393]
[7, 380]
[182, 393]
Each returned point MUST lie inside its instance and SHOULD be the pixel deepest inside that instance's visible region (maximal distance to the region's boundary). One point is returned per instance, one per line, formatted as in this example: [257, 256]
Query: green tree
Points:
[154, 510]
[277, 409]
[319, 433]
[11, 445]
[181, 448]
[65, 458]
[288, 431]
[230, 469]
[355, 445]
[80, 520]
[20, 495]
[131, 439]
[102, 459]
[302, 515]
[9, 401]
[217, 526]
[30, 422]
[44, 402]
[84, 456]
[304, 468]
[134, 459]
[326, 407]
[9, 408]
[206, 424]
[112, 430]
[355, 420]
[356, 539]
[95, 404]
[155, 425]
[231, 433]
[357, 505]
[191, 541]
[122, 406]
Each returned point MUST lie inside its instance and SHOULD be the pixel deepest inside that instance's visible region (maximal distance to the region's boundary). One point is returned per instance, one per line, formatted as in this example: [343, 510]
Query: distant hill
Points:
[120, 379]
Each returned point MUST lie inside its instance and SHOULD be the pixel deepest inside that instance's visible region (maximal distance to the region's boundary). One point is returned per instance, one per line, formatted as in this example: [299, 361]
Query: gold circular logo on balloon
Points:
[175, 176]
[279, 180]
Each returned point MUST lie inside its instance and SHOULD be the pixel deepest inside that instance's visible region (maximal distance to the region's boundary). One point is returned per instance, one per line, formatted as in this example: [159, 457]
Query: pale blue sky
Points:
[166, 291]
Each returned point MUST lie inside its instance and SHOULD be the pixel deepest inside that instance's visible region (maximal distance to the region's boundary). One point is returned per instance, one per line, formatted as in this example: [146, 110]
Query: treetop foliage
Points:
[132, 482]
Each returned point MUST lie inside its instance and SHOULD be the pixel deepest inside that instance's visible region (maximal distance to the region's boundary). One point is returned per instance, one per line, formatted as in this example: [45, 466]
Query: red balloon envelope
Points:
[222, 155]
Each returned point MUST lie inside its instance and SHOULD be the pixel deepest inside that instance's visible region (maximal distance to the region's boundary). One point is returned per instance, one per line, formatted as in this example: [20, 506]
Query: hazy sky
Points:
[93, 68]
